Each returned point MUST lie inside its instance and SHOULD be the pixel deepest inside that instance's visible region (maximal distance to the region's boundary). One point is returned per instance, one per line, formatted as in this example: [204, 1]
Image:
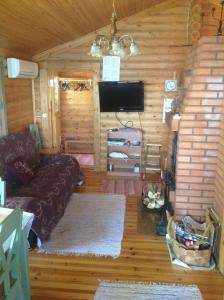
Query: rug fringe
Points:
[64, 253]
[145, 283]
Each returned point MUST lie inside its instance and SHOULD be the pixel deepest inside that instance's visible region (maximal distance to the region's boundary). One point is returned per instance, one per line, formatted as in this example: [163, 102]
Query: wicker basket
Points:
[189, 256]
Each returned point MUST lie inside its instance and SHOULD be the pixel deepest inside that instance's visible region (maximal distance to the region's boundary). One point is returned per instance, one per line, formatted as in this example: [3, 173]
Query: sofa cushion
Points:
[16, 145]
[20, 171]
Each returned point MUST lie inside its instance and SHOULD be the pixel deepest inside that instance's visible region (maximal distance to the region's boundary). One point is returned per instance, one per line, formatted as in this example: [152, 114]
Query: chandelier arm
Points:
[125, 37]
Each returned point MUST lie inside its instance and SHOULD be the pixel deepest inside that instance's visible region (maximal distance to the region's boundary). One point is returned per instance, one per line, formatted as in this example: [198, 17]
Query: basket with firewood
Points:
[153, 197]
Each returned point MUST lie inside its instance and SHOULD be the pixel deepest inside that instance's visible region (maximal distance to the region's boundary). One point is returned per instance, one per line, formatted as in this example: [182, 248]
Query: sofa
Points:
[41, 184]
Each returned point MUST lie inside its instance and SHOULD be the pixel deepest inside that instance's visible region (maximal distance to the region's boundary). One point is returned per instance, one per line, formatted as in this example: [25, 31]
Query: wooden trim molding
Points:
[3, 111]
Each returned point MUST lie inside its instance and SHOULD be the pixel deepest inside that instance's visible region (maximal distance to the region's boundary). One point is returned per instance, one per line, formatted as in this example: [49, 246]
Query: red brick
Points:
[210, 167]
[193, 124]
[215, 124]
[212, 102]
[185, 130]
[207, 79]
[197, 109]
[182, 172]
[205, 159]
[197, 87]
[183, 158]
[215, 87]
[202, 173]
[217, 109]
[208, 193]
[209, 180]
[213, 139]
[189, 179]
[221, 95]
[202, 187]
[192, 101]
[205, 146]
[201, 200]
[182, 186]
[188, 193]
[211, 63]
[208, 117]
[191, 152]
[214, 47]
[192, 138]
[201, 94]
[188, 205]
[181, 199]
[206, 131]
[185, 117]
[217, 71]
[202, 71]
[211, 153]
[184, 144]
[190, 166]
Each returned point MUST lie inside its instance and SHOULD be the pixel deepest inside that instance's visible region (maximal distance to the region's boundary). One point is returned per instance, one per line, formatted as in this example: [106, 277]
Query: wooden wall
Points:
[77, 117]
[19, 103]
[19, 98]
[162, 38]
[206, 29]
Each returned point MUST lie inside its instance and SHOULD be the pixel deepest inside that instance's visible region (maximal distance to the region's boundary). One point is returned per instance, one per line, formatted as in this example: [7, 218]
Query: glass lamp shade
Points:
[133, 49]
[115, 50]
[95, 50]
[123, 52]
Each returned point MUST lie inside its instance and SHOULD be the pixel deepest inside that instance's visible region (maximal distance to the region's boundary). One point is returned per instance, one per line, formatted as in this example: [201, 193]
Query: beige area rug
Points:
[140, 291]
[93, 224]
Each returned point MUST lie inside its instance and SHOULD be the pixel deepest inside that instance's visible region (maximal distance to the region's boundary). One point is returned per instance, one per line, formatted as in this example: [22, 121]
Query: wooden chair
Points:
[14, 278]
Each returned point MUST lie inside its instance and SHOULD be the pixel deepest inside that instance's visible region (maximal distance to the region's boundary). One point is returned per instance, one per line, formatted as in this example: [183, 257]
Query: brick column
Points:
[199, 131]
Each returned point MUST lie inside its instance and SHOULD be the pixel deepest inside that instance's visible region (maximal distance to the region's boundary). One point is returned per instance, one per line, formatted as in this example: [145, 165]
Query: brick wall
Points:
[199, 131]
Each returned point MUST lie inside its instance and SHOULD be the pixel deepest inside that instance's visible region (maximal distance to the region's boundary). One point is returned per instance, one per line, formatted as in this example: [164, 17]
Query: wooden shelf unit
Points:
[131, 145]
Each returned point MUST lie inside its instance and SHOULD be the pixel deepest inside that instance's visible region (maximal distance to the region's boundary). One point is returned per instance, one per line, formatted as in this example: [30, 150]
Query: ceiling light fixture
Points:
[114, 44]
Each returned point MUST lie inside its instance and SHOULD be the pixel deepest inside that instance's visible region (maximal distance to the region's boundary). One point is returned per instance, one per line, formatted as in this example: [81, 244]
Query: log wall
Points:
[18, 93]
[19, 103]
[77, 117]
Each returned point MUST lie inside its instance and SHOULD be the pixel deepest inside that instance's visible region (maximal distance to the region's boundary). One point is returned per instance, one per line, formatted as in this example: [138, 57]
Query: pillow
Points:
[20, 170]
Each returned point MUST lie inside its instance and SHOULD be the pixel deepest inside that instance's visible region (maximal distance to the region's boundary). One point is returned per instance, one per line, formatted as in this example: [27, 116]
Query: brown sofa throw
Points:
[47, 193]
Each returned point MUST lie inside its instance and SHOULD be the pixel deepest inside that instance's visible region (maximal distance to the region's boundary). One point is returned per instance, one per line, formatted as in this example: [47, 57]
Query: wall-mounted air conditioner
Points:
[18, 68]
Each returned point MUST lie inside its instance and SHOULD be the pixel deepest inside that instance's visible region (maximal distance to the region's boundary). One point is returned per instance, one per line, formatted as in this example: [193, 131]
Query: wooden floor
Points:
[144, 258]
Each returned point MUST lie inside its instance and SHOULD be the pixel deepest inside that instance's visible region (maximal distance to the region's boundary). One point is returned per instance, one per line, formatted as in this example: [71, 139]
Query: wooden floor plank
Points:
[144, 258]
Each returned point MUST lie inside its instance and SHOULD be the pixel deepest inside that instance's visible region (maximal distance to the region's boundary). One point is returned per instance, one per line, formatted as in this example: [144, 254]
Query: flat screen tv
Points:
[121, 96]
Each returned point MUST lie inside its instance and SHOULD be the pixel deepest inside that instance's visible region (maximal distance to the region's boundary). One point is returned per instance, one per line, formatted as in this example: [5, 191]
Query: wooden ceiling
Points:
[32, 26]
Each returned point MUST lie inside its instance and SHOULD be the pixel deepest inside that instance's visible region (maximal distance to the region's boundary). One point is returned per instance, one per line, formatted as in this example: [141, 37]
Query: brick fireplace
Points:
[199, 129]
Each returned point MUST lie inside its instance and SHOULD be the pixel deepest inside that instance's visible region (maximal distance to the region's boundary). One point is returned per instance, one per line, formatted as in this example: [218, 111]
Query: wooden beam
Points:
[149, 12]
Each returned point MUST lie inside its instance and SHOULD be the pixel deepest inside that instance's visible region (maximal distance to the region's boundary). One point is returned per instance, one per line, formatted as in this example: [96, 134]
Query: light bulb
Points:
[115, 48]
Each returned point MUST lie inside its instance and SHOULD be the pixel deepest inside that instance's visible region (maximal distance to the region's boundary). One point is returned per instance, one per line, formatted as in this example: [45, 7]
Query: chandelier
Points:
[114, 44]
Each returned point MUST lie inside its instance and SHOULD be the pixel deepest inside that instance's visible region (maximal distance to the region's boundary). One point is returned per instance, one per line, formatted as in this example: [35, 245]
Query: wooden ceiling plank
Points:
[160, 7]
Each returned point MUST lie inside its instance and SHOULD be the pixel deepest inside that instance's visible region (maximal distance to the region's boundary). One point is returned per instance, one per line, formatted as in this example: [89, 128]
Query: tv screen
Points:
[118, 96]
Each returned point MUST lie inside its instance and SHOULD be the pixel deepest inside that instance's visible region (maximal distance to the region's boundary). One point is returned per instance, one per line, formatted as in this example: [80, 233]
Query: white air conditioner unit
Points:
[18, 68]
